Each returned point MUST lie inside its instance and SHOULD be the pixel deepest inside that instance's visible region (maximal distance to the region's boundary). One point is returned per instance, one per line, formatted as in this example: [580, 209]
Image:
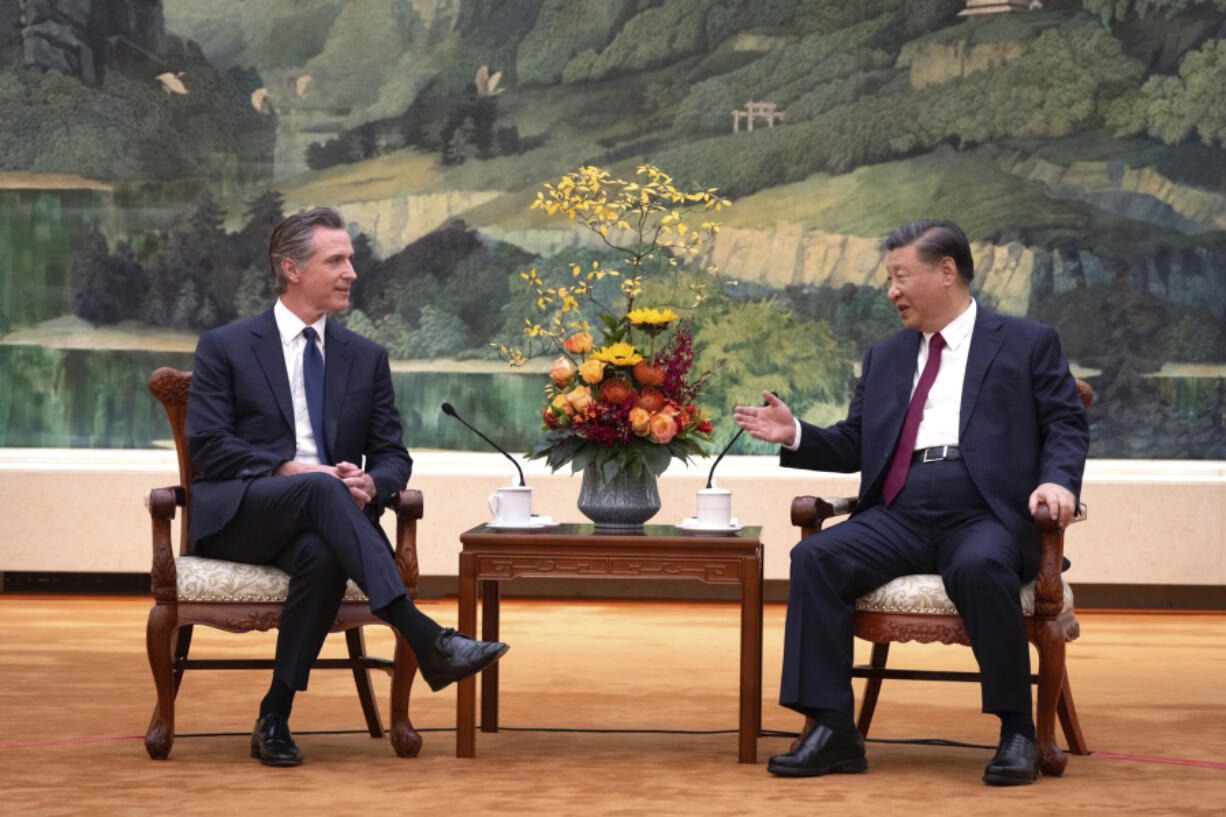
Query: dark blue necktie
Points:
[313, 385]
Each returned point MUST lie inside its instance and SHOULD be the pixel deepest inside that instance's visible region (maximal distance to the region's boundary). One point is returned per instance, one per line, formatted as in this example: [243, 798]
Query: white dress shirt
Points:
[943, 408]
[293, 344]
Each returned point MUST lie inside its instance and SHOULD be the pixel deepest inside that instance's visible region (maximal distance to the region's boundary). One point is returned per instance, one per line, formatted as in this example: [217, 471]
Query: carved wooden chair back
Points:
[190, 590]
[916, 608]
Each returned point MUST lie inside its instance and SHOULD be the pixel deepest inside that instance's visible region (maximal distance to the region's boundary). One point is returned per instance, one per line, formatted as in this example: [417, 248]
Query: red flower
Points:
[616, 390]
[649, 375]
[650, 399]
[705, 427]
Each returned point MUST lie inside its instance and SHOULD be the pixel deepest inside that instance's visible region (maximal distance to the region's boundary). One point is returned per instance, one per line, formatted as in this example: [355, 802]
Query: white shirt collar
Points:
[290, 326]
[957, 331]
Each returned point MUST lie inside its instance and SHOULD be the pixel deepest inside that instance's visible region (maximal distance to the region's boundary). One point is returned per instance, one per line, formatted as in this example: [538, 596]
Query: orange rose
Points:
[648, 375]
[663, 427]
[640, 421]
[561, 372]
[592, 371]
[578, 343]
[562, 404]
[650, 399]
[615, 390]
[580, 398]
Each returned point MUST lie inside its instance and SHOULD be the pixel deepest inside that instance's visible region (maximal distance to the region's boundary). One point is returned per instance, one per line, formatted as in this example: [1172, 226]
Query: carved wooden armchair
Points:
[190, 590]
[916, 608]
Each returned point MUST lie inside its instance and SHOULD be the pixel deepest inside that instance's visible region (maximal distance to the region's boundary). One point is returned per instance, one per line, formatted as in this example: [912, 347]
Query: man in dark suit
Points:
[293, 429]
[962, 425]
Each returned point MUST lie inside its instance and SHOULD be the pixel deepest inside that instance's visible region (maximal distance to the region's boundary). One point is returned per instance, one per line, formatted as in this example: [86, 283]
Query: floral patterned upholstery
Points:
[200, 579]
[924, 594]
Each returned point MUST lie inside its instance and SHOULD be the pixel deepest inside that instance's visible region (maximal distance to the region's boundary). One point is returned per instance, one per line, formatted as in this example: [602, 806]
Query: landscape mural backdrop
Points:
[147, 147]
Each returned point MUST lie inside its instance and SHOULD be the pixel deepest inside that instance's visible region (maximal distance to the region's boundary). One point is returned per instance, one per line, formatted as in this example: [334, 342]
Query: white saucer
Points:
[690, 525]
[535, 523]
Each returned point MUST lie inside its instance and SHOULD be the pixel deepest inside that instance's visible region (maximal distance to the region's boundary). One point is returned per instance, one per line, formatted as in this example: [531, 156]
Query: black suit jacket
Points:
[240, 416]
[1021, 422]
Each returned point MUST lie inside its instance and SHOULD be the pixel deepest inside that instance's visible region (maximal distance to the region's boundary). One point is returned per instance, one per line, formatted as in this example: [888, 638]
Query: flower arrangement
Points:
[630, 402]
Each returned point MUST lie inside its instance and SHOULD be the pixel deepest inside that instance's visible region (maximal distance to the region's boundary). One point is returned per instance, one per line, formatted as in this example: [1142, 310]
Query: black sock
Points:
[834, 719]
[1016, 723]
[280, 699]
[417, 628]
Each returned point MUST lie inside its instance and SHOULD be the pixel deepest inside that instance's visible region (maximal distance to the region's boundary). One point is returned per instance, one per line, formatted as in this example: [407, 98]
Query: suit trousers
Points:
[938, 523]
[309, 526]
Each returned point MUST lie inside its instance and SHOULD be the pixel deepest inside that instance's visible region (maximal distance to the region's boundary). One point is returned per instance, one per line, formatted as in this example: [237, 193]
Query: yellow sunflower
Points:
[651, 317]
[618, 354]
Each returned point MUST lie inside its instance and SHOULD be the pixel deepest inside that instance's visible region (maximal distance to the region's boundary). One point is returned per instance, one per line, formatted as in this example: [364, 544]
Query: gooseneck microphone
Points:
[732, 442]
[450, 409]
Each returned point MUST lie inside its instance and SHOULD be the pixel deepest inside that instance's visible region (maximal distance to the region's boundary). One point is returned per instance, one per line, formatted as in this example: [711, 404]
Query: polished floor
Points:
[75, 697]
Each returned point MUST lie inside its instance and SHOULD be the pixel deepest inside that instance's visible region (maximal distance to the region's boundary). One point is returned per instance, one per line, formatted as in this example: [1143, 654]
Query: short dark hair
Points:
[934, 239]
[294, 239]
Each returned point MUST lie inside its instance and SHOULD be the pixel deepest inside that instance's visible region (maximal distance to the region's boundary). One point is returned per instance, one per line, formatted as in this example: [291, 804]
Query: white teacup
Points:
[714, 508]
[511, 505]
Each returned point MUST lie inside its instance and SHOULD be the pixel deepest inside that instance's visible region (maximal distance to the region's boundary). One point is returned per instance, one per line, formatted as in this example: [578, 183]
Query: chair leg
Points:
[361, 677]
[158, 634]
[1050, 644]
[405, 739]
[1068, 719]
[872, 687]
[182, 644]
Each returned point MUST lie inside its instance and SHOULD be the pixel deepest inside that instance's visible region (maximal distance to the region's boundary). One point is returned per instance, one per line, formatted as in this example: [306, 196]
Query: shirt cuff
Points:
[795, 444]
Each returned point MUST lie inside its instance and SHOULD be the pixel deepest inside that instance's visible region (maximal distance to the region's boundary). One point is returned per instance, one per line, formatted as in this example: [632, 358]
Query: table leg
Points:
[489, 677]
[466, 690]
[751, 658]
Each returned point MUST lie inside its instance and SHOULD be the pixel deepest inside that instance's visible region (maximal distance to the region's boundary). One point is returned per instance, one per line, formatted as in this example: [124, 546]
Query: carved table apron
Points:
[574, 551]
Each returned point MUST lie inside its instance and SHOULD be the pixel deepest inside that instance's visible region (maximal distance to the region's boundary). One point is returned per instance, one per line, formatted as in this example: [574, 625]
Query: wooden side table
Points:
[575, 551]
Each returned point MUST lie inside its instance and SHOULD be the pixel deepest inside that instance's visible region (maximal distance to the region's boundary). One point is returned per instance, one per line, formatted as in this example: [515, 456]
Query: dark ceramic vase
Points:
[621, 504]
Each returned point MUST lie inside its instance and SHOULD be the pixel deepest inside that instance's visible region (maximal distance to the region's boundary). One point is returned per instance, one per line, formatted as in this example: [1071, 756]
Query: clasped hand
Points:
[360, 484]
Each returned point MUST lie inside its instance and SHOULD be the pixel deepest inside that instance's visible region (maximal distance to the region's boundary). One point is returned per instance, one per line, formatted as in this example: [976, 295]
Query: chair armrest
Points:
[809, 513]
[162, 503]
[409, 507]
[1048, 584]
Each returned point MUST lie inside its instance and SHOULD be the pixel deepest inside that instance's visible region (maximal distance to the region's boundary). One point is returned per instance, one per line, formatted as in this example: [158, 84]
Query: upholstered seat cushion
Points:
[924, 594]
[200, 579]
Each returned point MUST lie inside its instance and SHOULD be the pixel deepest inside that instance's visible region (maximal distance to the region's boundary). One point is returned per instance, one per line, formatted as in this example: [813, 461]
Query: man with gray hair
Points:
[293, 429]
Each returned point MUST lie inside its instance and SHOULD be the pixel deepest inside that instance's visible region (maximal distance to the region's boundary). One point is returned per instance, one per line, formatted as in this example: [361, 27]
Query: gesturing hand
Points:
[772, 423]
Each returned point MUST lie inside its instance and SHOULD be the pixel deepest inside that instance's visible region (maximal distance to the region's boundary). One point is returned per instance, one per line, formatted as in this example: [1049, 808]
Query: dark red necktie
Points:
[896, 476]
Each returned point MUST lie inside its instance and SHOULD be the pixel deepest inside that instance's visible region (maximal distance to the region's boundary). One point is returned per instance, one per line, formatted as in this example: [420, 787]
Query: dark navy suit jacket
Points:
[1021, 422]
[240, 416]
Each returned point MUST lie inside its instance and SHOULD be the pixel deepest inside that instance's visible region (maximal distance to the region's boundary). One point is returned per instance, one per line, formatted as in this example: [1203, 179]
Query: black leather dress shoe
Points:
[272, 743]
[822, 751]
[456, 656]
[1016, 762]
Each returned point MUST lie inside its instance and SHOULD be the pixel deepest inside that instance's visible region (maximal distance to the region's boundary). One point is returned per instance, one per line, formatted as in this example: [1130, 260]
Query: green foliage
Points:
[832, 16]
[751, 345]
[857, 315]
[658, 36]
[1174, 108]
[1114, 10]
[109, 287]
[127, 129]
[438, 334]
[782, 76]
[1051, 90]
[1198, 337]
[564, 28]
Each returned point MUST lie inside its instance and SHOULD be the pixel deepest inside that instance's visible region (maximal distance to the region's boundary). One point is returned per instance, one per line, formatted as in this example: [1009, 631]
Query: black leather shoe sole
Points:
[272, 761]
[853, 765]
